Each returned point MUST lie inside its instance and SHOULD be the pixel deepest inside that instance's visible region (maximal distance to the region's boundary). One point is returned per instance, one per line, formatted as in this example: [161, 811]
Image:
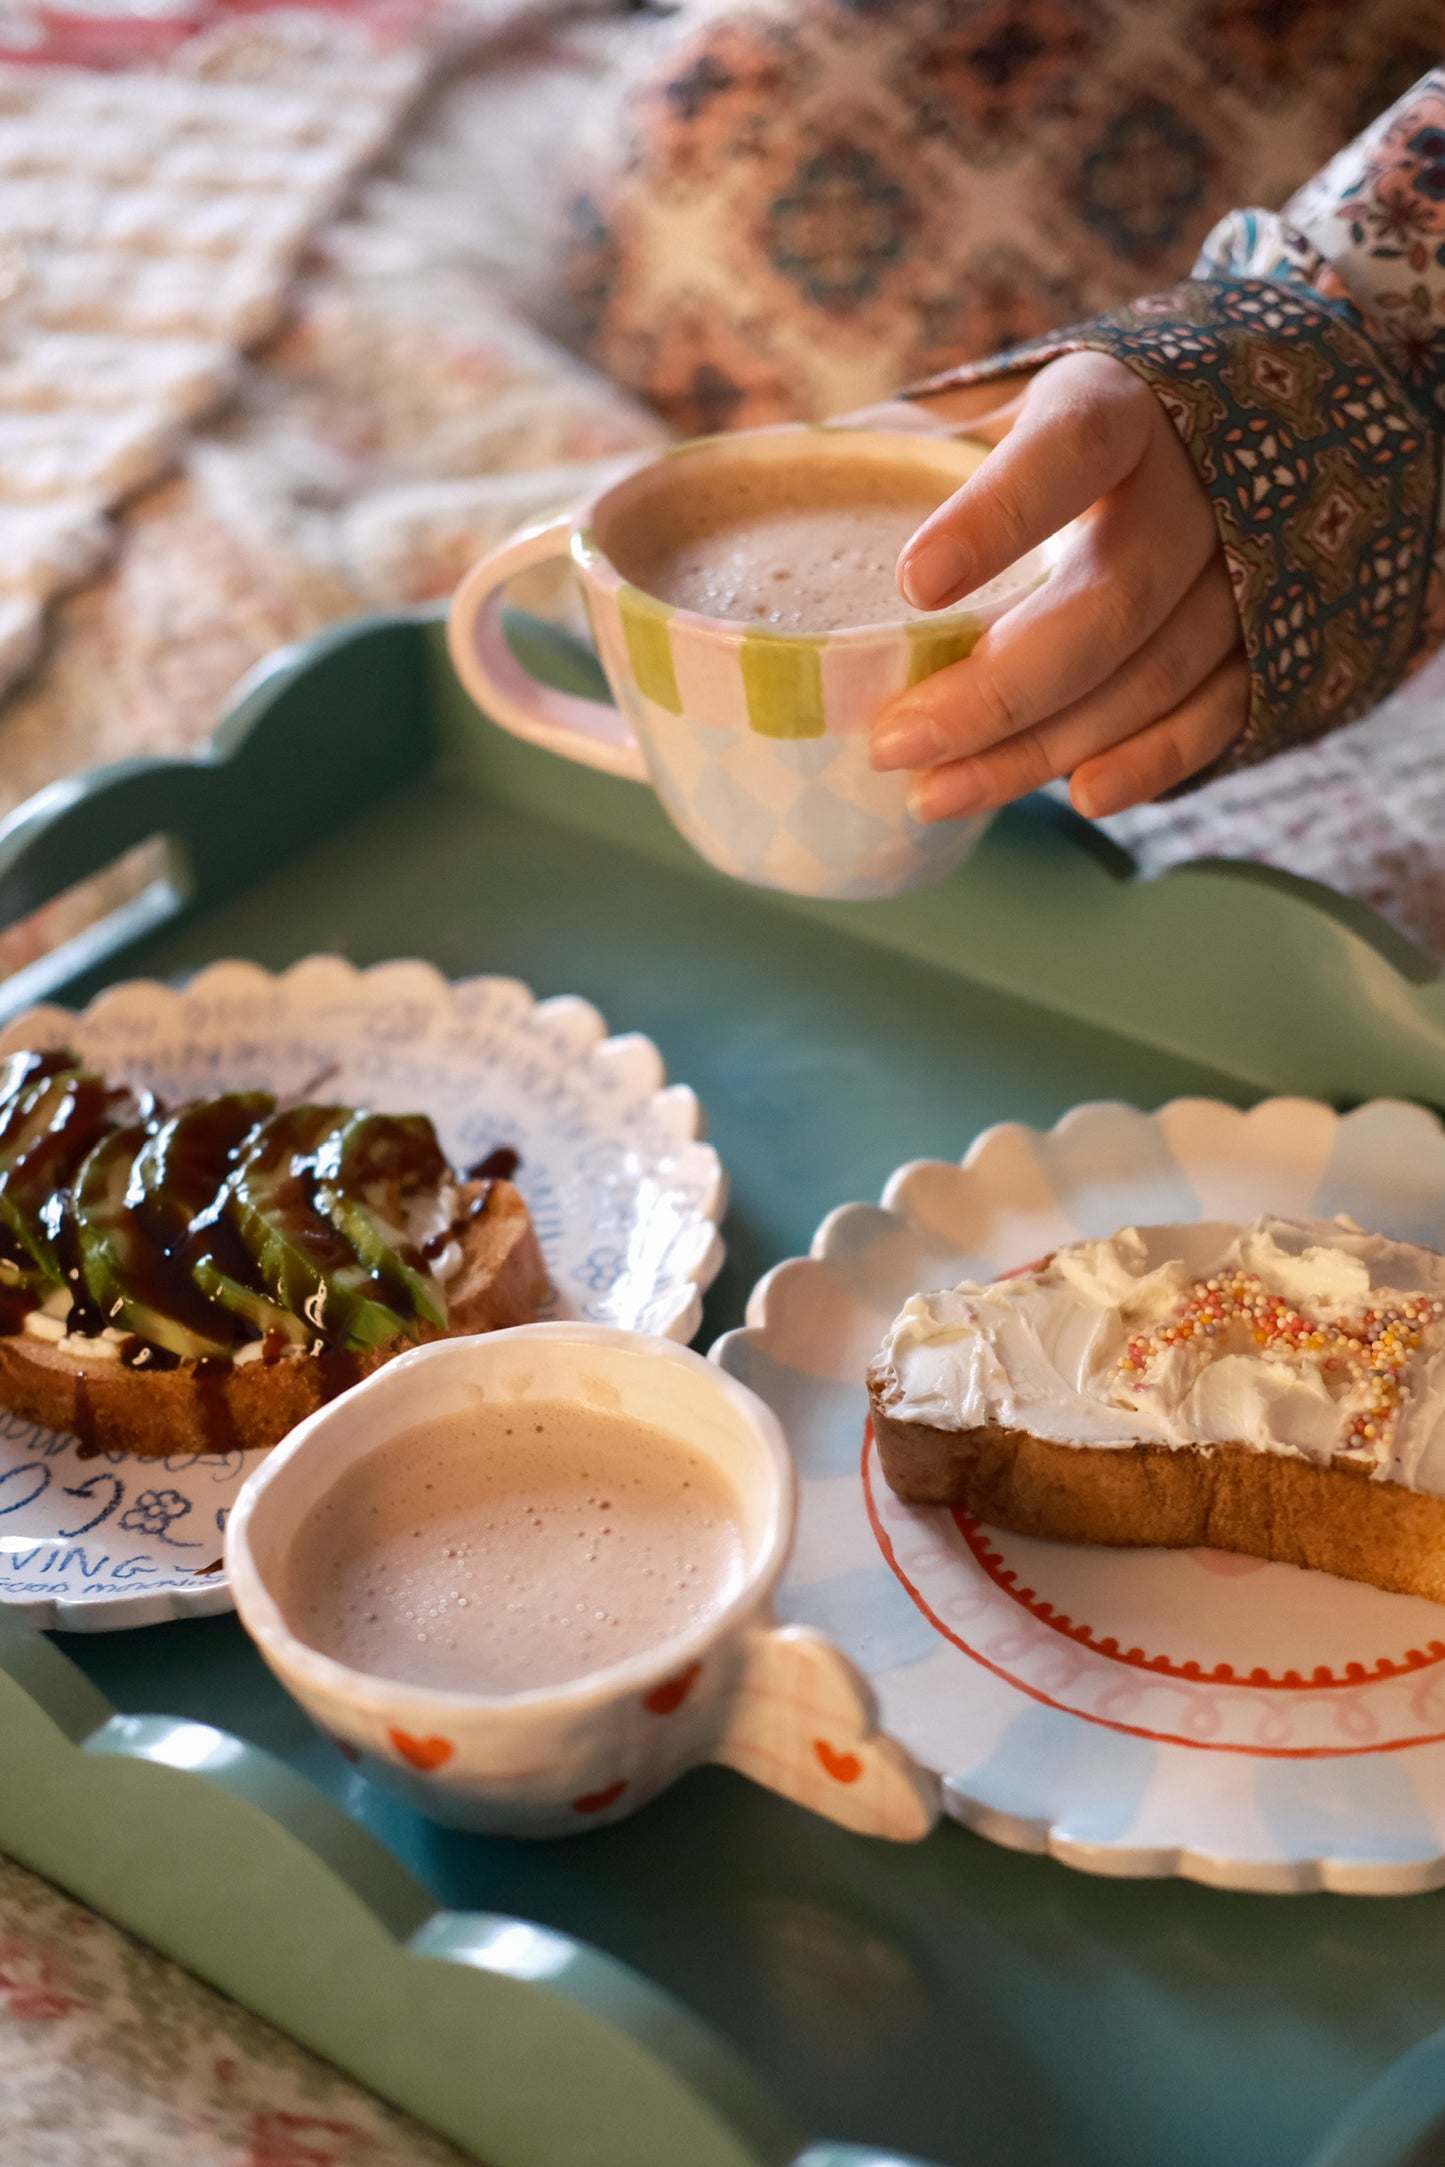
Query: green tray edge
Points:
[1332, 1003]
[218, 1855]
[1273, 979]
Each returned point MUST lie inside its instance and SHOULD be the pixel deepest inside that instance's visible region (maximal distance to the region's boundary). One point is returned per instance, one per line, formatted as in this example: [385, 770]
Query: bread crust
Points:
[1335, 1519]
[187, 1410]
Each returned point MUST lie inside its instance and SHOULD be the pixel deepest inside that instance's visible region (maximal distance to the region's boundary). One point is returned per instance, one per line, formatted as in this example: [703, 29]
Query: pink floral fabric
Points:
[35, 33]
[1376, 215]
[109, 2053]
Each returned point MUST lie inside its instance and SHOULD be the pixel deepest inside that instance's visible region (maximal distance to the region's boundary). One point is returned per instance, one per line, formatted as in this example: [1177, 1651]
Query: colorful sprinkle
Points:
[1377, 1349]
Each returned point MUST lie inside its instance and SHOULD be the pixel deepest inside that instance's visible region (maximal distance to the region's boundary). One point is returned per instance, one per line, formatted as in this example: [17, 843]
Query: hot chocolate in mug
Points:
[754, 738]
[779, 1703]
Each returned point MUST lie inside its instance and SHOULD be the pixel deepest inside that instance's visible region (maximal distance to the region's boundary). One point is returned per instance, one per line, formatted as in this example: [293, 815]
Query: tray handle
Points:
[520, 2043]
[317, 733]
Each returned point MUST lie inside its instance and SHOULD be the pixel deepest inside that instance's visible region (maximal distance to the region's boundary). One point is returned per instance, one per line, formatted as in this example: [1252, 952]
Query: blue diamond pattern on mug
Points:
[736, 818]
[810, 755]
[837, 832]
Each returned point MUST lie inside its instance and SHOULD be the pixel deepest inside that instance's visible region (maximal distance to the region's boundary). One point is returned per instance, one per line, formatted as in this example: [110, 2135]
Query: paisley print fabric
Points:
[790, 206]
[1305, 372]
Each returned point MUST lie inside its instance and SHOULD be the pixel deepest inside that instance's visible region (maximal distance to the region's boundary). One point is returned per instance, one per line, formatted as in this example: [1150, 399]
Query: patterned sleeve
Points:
[1304, 367]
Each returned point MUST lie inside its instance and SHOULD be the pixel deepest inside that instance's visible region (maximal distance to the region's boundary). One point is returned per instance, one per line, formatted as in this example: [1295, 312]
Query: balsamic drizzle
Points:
[476, 1209]
[164, 1218]
[498, 1165]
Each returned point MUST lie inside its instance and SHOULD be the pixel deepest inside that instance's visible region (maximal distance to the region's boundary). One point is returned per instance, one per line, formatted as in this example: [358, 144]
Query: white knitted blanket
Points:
[151, 222]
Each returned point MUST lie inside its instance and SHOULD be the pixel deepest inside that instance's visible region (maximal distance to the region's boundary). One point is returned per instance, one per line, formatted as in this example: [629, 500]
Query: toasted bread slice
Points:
[218, 1407]
[1232, 1497]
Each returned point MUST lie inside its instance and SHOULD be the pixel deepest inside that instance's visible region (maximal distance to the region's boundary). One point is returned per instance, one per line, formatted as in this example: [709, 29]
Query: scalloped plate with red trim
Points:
[1133, 1712]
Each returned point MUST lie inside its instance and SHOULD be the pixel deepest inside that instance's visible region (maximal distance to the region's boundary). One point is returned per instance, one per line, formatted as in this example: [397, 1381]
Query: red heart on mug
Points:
[598, 1801]
[672, 1692]
[842, 1767]
[423, 1753]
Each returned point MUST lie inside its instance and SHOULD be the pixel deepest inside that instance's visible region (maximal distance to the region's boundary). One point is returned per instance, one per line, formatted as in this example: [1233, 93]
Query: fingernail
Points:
[918, 796]
[1094, 800]
[951, 796]
[907, 738]
[933, 571]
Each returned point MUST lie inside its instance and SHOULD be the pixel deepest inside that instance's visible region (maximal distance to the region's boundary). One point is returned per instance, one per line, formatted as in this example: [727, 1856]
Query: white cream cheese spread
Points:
[1307, 1337]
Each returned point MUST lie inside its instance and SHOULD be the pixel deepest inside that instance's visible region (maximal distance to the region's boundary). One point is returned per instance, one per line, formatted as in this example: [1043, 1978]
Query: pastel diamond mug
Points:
[779, 1703]
[754, 740]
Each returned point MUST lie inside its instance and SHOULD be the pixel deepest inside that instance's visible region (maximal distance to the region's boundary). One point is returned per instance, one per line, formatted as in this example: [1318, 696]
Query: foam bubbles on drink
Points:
[483, 1554]
[796, 545]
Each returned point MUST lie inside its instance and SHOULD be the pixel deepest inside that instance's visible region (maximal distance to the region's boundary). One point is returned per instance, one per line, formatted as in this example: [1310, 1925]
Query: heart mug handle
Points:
[591, 731]
[803, 1721]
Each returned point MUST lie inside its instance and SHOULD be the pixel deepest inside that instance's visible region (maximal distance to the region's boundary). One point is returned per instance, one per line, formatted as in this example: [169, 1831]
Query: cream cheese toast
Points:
[1276, 1388]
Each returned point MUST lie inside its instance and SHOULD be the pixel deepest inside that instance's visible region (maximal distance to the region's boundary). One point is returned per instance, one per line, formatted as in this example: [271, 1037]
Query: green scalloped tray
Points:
[721, 1978]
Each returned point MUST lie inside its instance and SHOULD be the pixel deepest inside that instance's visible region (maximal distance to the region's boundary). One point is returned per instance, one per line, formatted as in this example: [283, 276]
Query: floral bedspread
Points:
[108, 2053]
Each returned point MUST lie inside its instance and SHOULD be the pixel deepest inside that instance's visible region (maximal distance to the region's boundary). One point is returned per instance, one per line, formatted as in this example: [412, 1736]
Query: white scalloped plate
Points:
[1132, 1712]
[625, 1199]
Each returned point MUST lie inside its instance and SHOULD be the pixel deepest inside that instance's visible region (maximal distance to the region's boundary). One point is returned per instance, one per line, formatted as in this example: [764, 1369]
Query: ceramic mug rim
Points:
[959, 455]
[263, 1619]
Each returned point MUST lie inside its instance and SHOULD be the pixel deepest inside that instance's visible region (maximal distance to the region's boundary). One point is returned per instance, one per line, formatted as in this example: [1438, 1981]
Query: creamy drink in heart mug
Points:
[741, 592]
[526, 1580]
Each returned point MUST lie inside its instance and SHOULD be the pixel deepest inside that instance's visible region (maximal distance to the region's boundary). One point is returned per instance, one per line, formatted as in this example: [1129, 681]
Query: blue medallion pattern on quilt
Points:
[790, 206]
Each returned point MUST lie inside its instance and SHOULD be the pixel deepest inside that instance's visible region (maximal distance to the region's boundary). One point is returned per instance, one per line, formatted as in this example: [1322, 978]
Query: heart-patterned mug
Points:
[755, 740]
[780, 1703]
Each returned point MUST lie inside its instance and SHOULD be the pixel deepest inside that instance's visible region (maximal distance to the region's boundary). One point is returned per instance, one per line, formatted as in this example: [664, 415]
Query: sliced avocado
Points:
[244, 1302]
[305, 1263]
[183, 1165]
[19, 1070]
[400, 1150]
[17, 1105]
[365, 1170]
[179, 1189]
[131, 1280]
[44, 1135]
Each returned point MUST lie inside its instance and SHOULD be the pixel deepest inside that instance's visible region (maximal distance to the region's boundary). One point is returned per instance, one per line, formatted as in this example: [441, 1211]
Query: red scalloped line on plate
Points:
[1109, 1723]
[1321, 1676]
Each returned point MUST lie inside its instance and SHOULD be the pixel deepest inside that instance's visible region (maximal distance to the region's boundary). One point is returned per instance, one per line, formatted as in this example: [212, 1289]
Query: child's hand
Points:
[1126, 670]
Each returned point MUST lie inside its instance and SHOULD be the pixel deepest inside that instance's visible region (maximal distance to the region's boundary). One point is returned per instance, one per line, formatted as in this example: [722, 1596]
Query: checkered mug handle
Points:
[591, 731]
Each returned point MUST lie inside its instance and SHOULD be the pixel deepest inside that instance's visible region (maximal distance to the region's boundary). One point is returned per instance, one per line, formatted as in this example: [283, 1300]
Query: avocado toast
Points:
[201, 1278]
